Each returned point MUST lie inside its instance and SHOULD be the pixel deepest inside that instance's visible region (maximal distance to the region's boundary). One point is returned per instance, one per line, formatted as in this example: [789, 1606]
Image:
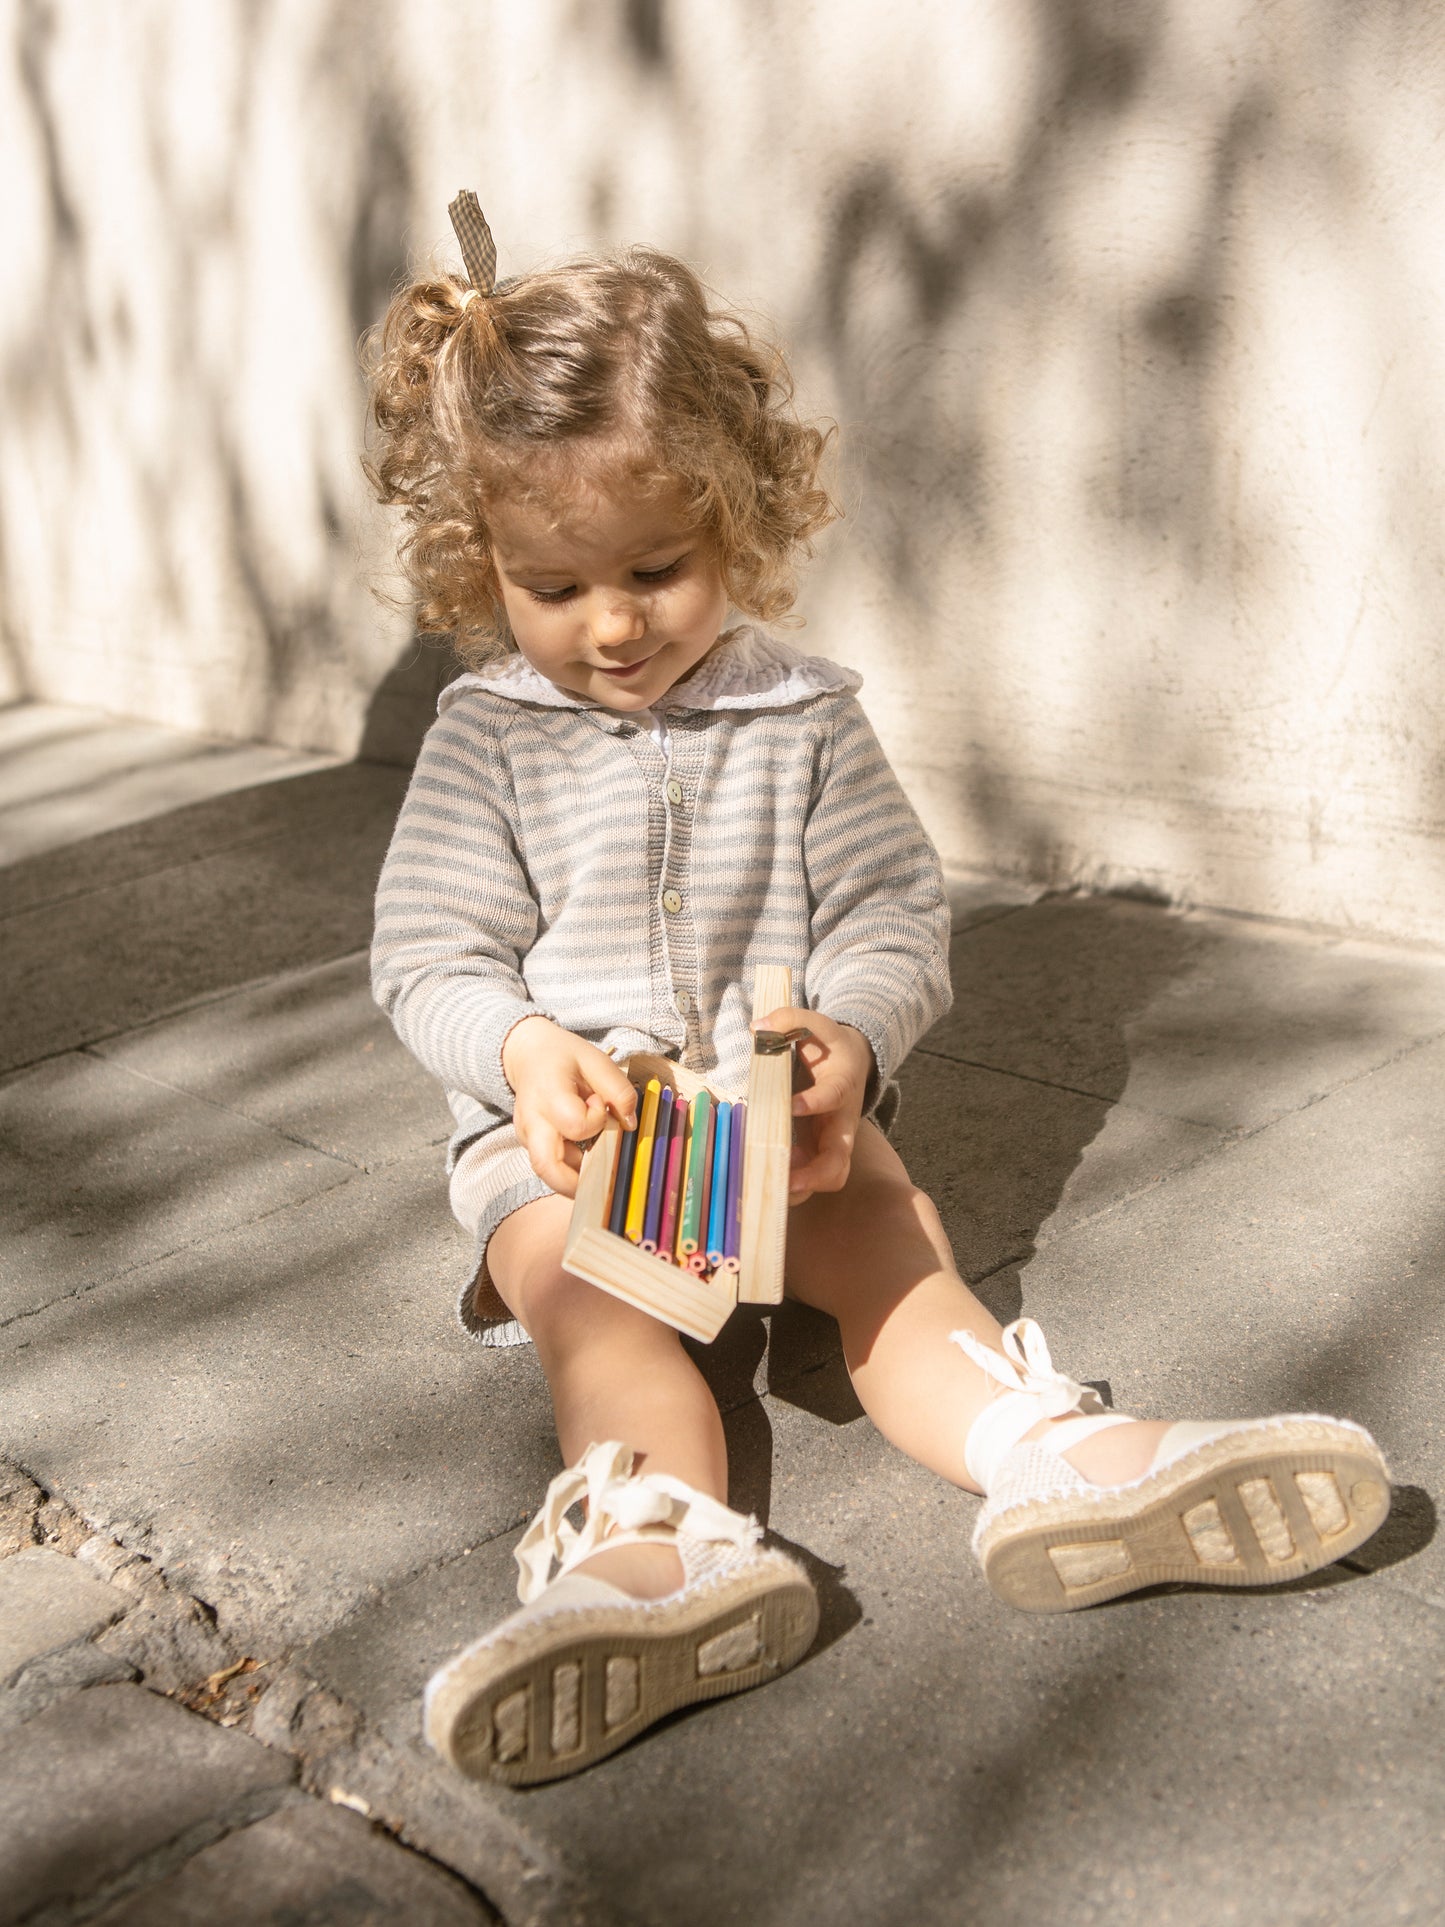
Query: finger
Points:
[554, 1160]
[786, 1017]
[830, 1092]
[610, 1083]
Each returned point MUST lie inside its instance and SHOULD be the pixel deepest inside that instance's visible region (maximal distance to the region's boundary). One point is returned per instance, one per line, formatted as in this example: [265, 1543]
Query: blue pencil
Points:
[717, 1210]
[732, 1230]
[657, 1177]
[622, 1183]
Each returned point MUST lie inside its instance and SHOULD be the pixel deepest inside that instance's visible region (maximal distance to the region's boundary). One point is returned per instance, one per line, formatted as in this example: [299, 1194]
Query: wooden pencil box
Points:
[699, 1306]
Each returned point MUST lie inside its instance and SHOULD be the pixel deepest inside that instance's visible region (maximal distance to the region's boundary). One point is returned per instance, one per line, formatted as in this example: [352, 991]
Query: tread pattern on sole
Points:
[1266, 1515]
[573, 1699]
[1209, 1535]
[623, 1693]
[1323, 1501]
[1273, 1512]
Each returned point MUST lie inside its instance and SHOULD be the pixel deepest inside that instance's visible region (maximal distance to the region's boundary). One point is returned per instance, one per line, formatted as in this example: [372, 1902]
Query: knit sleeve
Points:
[880, 921]
[455, 917]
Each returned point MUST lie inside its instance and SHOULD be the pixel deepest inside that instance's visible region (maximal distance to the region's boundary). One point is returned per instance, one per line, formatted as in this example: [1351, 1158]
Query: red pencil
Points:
[672, 1183]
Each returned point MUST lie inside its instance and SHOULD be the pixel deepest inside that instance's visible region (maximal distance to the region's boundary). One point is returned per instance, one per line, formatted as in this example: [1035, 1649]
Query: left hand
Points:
[839, 1062]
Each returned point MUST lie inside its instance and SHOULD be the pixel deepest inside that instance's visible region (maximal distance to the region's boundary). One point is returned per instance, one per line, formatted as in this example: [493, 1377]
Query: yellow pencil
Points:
[642, 1165]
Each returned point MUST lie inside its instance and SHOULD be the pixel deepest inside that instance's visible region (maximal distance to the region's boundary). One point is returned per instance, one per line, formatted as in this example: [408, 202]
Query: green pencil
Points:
[695, 1182]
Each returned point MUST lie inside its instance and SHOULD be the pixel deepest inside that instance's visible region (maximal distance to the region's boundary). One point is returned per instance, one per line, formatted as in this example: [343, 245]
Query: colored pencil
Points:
[642, 1164]
[621, 1179]
[690, 1233]
[657, 1177]
[718, 1202]
[672, 1183]
[732, 1223]
[688, 1123]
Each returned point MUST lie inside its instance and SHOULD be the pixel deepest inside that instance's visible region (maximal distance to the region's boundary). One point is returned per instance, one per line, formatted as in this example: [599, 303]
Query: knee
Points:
[886, 1195]
[564, 1314]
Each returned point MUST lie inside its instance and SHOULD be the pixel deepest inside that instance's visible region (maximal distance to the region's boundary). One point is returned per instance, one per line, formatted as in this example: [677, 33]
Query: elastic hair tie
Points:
[479, 250]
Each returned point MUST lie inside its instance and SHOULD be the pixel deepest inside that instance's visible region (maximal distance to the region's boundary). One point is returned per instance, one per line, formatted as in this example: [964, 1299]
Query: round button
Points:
[684, 1002]
[671, 901]
[674, 791]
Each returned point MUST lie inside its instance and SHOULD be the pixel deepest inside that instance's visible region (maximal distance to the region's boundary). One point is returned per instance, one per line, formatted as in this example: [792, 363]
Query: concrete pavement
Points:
[258, 1484]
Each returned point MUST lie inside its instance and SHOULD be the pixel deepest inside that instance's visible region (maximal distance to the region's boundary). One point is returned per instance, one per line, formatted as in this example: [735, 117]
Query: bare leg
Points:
[614, 1373]
[874, 1256]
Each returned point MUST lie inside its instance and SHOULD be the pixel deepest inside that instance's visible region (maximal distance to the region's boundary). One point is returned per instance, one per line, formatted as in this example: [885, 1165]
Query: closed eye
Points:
[553, 595]
[659, 575]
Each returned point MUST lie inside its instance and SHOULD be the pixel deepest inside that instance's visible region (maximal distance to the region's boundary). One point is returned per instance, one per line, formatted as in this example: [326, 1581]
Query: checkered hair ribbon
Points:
[479, 250]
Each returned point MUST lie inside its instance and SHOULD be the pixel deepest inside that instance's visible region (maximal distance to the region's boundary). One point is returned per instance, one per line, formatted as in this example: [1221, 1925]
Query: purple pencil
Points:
[732, 1223]
[672, 1183]
[662, 1143]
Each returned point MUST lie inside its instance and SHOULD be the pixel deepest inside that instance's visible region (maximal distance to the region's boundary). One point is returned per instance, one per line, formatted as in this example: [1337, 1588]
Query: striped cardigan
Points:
[552, 858]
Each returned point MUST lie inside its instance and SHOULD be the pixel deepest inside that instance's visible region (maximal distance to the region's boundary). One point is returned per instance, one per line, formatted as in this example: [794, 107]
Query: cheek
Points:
[706, 607]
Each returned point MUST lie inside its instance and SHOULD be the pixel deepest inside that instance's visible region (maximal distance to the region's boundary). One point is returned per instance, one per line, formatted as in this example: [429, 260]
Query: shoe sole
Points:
[548, 1697]
[1264, 1504]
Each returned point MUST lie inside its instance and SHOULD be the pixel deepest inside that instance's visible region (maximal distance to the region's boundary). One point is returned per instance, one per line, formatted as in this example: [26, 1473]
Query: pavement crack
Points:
[443, 1561]
[215, 1104]
[201, 1001]
[162, 1257]
[1024, 1077]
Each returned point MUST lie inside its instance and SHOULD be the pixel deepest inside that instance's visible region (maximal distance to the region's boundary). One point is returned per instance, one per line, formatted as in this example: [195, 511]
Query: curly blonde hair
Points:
[575, 376]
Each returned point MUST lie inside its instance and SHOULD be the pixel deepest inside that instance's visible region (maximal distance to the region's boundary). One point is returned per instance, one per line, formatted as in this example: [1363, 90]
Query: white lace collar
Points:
[746, 669]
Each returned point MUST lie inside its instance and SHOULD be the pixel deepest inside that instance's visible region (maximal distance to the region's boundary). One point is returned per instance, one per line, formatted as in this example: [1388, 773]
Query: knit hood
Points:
[746, 668]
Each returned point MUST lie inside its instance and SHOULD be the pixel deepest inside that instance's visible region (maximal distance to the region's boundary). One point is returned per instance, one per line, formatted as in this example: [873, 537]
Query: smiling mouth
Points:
[625, 668]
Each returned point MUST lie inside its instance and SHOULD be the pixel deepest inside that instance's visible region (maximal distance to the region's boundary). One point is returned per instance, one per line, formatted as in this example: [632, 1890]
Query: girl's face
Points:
[616, 598]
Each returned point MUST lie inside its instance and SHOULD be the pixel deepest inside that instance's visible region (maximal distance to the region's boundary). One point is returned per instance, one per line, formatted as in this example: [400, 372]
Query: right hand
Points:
[564, 1089]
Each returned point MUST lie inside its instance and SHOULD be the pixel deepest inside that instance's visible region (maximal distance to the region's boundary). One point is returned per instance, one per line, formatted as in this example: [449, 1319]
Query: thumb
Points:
[610, 1084]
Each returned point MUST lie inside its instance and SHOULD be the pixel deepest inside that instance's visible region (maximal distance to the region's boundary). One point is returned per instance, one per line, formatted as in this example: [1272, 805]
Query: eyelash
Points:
[643, 575]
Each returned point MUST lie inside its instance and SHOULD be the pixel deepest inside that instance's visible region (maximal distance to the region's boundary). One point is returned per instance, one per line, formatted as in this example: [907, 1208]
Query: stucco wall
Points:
[1132, 315]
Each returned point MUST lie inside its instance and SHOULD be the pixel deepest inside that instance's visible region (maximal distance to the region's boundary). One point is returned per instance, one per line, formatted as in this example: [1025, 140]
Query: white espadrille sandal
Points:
[584, 1666]
[1235, 1502]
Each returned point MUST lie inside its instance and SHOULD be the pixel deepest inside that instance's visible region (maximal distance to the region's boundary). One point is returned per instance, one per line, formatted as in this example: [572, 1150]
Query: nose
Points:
[617, 620]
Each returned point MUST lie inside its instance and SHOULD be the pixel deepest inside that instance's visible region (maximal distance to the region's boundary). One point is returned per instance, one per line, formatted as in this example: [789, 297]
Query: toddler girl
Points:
[634, 799]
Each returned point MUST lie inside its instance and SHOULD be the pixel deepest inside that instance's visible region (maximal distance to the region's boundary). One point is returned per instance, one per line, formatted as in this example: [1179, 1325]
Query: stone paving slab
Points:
[283, 1416]
[116, 956]
[312, 1864]
[63, 771]
[260, 1377]
[113, 1780]
[1010, 1162]
[1187, 1756]
[1216, 1019]
[116, 852]
[286, 1415]
[107, 1169]
[306, 1053]
[48, 1602]
[1301, 1270]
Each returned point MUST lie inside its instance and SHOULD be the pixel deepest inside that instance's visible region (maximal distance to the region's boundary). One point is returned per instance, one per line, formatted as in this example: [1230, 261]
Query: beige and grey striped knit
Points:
[552, 857]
